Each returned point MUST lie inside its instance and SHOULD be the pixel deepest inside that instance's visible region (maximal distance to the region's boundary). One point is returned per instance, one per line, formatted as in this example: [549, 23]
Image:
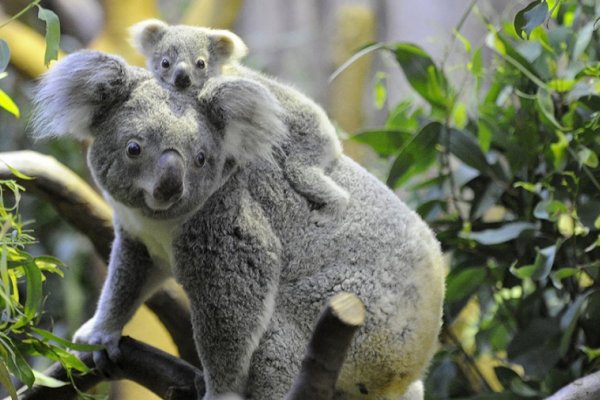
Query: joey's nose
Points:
[182, 79]
[169, 182]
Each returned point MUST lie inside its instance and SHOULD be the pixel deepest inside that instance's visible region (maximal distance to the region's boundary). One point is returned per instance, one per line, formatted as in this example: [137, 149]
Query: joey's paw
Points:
[331, 212]
[106, 360]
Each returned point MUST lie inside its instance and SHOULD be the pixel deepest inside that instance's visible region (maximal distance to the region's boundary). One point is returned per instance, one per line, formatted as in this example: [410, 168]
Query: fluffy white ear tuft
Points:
[248, 114]
[76, 88]
[228, 46]
[144, 35]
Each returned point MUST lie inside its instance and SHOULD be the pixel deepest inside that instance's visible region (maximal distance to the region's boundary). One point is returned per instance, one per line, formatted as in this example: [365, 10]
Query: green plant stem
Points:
[363, 52]
[18, 15]
[457, 29]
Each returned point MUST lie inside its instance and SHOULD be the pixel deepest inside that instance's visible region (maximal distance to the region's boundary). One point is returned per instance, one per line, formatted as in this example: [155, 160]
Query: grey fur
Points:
[238, 237]
[313, 146]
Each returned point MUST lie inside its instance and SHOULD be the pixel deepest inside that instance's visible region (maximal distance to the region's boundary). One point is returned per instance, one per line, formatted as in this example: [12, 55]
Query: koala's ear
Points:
[146, 34]
[249, 116]
[228, 46]
[76, 91]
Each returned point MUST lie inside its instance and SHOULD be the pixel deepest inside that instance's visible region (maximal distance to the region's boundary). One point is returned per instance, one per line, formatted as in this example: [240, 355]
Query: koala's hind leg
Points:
[311, 182]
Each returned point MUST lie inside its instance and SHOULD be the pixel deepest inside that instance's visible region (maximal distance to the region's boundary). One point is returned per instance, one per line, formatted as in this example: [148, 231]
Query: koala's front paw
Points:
[106, 360]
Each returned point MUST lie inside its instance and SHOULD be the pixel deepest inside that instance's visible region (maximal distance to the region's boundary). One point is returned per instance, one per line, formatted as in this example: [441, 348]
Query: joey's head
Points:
[183, 56]
[153, 149]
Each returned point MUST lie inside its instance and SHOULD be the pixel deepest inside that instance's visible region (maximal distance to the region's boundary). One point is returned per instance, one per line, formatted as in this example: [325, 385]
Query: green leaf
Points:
[66, 343]
[52, 33]
[384, 141]
[379, 90]
[584, 37]
[500, 235]
[459, 115]
[531, 16]
[544, 260]
[6, 382]
[477, 68]
[559, 151]
[8, 104]
[463, 283]
[423, 75]
[563, 273]
[45, 380]
[485, 130]
[4, 55]
[586, 156]
[418, 154]
[466, 149]
[568, 322]
[465, 42]
[546, 106]
[33, 280]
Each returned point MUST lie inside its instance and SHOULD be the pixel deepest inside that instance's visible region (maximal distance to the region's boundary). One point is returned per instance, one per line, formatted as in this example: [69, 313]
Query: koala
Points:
[186, 57]
[199, 194]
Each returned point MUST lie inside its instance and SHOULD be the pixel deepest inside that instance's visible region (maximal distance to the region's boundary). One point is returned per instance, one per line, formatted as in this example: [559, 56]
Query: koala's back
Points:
[307, 121]
[381, 251]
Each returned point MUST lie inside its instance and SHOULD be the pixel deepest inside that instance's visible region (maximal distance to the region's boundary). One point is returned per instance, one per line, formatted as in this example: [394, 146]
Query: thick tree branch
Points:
[160, 372]
[586, 388]
[174, 379]
[77, 203]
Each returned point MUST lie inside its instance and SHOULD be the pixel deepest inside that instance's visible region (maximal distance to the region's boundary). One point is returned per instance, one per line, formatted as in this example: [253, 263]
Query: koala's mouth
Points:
[155, 204]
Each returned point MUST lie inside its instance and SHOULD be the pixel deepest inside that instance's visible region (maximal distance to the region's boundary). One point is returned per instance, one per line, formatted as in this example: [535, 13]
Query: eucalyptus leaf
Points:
[530, 17]
[52, 33]
[8, 104]
[423, 75]
[464, 282]
[503, 234]
[418, 154]
[384, 141]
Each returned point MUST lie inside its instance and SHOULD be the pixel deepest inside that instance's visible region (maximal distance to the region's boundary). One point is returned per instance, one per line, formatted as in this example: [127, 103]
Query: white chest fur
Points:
[157, 235]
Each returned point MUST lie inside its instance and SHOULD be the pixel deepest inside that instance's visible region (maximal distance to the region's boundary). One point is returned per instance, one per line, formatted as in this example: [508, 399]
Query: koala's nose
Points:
[182, 79]
[170, 172]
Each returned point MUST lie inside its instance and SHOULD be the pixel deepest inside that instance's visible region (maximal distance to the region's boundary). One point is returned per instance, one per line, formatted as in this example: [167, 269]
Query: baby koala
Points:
[185, 57]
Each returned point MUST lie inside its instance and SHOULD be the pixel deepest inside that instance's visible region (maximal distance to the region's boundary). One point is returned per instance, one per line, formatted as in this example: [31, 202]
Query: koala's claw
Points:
[106, 360]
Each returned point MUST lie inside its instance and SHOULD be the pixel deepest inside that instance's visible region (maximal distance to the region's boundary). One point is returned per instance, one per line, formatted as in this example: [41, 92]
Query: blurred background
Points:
[304, 43]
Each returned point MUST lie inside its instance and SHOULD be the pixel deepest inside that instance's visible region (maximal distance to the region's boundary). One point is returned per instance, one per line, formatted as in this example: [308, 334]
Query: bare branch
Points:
[84, 209]
[586, 388]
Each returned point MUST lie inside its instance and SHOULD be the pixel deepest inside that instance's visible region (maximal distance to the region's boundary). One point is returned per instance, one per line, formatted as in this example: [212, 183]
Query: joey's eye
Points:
[134, 149]
[200, 159]
[165, 63]
[200, 63]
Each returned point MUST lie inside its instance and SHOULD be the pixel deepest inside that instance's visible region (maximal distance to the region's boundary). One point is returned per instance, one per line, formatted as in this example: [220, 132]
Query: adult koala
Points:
[198, 192]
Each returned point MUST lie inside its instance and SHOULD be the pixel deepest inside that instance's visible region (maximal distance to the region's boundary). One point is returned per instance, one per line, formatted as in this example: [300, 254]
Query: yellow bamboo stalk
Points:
[212, 13]
[355, 26]
[119, 16]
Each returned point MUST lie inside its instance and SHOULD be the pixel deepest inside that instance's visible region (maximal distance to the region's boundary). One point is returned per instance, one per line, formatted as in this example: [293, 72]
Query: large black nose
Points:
[182, 79]
[170, 172]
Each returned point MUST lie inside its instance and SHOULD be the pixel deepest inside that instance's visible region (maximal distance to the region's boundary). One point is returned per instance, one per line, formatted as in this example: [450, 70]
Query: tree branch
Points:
[174, 379]
[77, 203]
[586, 388]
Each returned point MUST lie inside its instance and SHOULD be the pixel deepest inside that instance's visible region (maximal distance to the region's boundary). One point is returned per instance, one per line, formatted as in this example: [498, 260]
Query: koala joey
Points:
[198, 193]
[185, 57]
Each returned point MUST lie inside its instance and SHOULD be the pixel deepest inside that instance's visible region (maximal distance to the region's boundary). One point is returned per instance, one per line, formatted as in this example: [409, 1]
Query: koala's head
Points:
[153, 149]
[185, 56]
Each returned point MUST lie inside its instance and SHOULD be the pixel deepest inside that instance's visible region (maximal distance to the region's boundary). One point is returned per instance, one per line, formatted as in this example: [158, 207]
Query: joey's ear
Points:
[145, 34]
[77, 91]
[248, 115]
[227, 45]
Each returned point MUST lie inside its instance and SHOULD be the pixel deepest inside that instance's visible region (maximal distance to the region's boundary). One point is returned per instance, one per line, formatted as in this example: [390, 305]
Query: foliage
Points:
[21, 300]
[510, 182]
[52, 42]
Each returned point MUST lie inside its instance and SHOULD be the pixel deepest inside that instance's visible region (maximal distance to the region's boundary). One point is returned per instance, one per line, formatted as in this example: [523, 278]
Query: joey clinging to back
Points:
[185, 57]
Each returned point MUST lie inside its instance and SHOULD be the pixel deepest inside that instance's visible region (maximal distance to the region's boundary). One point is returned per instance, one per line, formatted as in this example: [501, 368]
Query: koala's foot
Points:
[105, 360]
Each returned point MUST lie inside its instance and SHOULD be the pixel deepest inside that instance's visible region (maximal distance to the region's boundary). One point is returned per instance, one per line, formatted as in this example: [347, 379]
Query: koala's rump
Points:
[385, 254]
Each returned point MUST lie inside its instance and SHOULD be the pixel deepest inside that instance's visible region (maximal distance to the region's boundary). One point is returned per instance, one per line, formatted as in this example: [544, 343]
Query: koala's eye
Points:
[200, 159]
[165, 63]
[134, 149]
[200, 63]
